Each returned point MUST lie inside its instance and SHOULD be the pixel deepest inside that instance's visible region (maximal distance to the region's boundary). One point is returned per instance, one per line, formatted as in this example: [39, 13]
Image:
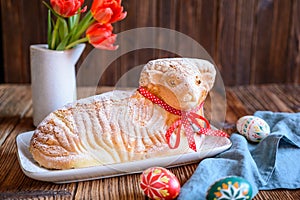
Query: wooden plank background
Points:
[251, 41]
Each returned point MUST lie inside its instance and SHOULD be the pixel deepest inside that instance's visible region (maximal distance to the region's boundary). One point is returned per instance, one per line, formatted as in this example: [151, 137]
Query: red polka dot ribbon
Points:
[187, 119]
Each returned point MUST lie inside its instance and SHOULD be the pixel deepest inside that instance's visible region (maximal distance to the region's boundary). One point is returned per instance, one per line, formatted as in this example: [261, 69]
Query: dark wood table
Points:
[15, 118]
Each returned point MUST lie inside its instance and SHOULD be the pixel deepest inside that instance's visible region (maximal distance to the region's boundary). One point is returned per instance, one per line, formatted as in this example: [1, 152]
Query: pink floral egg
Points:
[159, 183]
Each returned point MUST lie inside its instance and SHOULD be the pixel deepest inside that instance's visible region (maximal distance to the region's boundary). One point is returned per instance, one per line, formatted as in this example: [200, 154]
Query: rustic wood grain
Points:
[292, 100]
[15, 101]
[14, 178]
[23, 23]
[261, 39]
[293, 65]
[226, 38]
[252, 42]
[205, 26]
[270, 46]
[167, 15]
[279, 41]
[13, 183]
[186, 22]
[241, 100]
[236, 110]
[276, 194]
[243, 41]
[268, 98]
[12, 47]
[146, 17]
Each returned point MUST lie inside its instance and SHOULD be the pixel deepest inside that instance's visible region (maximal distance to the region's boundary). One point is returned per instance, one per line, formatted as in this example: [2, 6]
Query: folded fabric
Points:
[273, 163]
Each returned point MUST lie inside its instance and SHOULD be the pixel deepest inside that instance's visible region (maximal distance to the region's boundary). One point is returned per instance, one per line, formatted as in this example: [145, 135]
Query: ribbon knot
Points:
[188, 119]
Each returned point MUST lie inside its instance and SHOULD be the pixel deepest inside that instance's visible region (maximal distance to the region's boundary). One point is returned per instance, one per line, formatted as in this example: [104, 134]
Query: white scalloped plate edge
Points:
[210, 147]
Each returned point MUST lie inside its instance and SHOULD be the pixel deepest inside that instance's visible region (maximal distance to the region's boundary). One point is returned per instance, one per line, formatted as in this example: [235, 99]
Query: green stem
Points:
[73, 21]
[54, 35]
[82, 40]
[49, 32]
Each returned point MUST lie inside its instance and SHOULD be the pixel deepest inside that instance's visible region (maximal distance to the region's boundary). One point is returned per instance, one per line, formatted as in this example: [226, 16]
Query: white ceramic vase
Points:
[53, 78]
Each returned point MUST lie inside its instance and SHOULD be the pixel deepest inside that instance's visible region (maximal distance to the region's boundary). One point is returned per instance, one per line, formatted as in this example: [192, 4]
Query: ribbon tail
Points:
[170, 131]
[189, 134]
[212, 132]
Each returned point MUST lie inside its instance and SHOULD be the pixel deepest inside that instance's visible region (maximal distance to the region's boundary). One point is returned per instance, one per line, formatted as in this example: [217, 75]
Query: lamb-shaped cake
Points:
[121, 126]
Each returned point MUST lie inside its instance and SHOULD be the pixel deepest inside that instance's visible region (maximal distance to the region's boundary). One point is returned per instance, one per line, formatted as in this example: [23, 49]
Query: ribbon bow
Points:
[187, 120]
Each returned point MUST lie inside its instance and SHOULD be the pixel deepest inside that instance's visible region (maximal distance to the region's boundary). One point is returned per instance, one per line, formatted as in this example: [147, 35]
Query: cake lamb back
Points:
[122, 126]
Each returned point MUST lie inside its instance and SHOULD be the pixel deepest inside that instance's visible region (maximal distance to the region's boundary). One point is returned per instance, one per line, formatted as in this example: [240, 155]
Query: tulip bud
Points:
[107, 11]
[66, 8]
[101, 36]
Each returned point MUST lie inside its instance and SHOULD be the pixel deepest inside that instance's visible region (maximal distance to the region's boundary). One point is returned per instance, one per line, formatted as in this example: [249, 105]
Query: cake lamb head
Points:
[123, 126]
[183, 83]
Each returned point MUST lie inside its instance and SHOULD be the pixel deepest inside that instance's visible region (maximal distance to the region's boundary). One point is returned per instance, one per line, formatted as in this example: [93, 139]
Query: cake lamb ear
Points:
[150, 77]
[207, 71]
[152, 72]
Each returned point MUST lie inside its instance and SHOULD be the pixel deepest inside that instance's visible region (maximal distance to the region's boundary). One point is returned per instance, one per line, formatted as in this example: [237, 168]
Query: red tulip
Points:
[107, 11]
[67, 8]
[101, 36]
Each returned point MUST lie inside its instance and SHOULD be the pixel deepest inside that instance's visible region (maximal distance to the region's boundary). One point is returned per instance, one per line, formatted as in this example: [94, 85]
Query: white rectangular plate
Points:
[210, 147]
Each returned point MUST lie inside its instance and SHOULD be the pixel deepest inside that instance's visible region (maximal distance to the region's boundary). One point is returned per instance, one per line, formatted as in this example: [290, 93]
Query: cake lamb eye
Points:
[172, 82]
[198, 81]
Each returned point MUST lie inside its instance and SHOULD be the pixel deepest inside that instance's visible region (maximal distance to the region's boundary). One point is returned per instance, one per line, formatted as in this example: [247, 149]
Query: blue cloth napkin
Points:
[273, 163]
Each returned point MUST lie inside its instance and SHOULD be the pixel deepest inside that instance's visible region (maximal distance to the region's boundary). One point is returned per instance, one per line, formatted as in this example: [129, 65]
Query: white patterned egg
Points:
[253, 128]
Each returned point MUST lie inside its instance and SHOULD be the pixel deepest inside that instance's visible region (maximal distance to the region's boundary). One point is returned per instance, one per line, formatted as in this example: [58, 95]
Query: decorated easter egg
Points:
[231, 187]
[253, 128]
[159, 183]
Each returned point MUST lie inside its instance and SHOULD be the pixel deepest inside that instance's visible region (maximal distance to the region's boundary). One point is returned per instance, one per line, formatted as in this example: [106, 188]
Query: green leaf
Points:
[66, 40]
[82, 26]
[231, 190]
[62, 45]
[237, 194]
[63, 28]
[226, 193]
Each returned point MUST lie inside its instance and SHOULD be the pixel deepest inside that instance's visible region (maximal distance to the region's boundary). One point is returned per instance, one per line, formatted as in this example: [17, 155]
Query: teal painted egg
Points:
[253, 128]
[230, 188]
